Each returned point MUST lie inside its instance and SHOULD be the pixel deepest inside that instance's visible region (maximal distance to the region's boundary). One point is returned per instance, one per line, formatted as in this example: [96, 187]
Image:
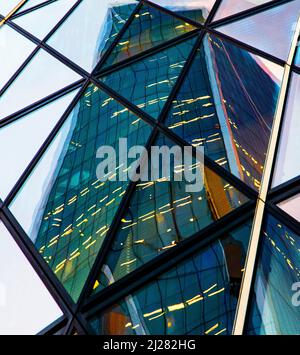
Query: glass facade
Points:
[149, 257]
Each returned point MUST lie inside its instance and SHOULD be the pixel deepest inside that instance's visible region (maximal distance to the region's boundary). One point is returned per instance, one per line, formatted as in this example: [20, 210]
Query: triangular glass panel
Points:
[291, 206]
[18, 145]
[197, 10]
[258, 30]
[7, 6]
[148, 82]
[163, 213]
[275, 301]
[227, 104]
[287, 164]
[26, 306]
[232, 7]
[68, 210]
[54, 12]
[44, 75]
[197, 297]
[17, 49]
[87, 33]
[149, 28]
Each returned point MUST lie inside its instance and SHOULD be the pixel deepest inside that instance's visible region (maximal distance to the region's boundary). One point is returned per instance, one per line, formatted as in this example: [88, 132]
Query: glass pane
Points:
[14, 49]
[18, 145]
[198, 296]
[161, 214]
[90, 29]
[197, 10]
[274, 309]
[149, 28]
[33, 21]
[68, 211]
[297, 59]
[227, 104]
[148, 83]
[291, 206]
[7, 5]
[288, 163]
[277, 43]
[231, 7]
[26, 306]
[31, 3]
[44, 75]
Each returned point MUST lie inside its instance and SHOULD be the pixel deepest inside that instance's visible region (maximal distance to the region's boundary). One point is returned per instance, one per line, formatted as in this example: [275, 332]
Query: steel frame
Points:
[76, 315]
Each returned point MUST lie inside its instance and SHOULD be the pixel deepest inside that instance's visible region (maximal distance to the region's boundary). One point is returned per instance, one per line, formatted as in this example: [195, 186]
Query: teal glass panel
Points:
[232, 7]
[148, 83]
[149, 28]
[89, 30]
[197, 10]
[275, 303]
[68, 211]
[198, 296]
[250, 29]
[227, 104]
[297, 59]
[163, 213]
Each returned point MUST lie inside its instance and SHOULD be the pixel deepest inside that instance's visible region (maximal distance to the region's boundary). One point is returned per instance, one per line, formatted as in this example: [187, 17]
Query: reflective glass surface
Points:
[54, 12]
[197, 10]
[297, 59]
[30, 3]
[274, 309]
[8, 5]
[44, 75]
[90, 29]
[16, 150]
[26, 306]
[287, 162]
[291, 206]
[14, 50]
[227, 104]
[149, 28]
[278, 43]
[161, 214]
[231, 7]
[148, 82]
[68, 211]
[197, 297]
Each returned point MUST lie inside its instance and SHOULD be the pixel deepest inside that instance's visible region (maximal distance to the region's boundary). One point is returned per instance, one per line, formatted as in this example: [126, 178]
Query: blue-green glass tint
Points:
[197, 10]
[89, 30]
[231, 7]
[227, 104]
[258, 30]
[150, 27]
[297, 59]
[287, 164]
[275, 302]
[148, 83]
[198, 296]
[68, 211]
[163, 213]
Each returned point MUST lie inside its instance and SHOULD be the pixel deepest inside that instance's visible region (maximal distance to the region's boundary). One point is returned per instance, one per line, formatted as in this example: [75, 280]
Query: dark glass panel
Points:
[197, 10]
[148, 83]
[287, 164]
[149, 28]
[161, 214]
[275, 305]
[68, 210]
[258, 30]
[227, 104]
[198, 296]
